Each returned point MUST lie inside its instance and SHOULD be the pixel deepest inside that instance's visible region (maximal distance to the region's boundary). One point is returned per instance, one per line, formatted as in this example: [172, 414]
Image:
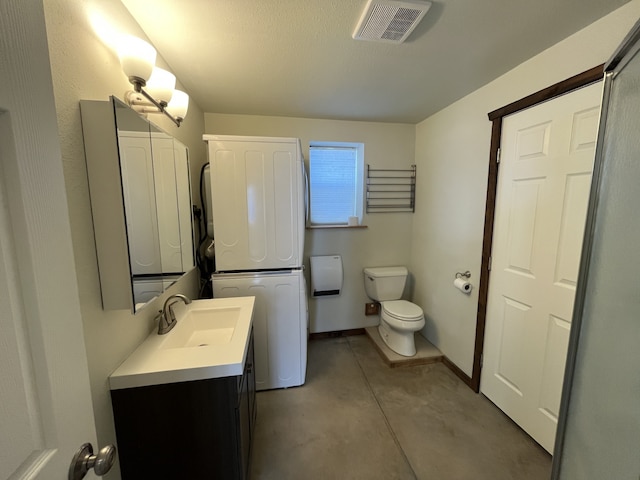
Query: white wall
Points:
[386, 241]
[84, 68]
[452, 153]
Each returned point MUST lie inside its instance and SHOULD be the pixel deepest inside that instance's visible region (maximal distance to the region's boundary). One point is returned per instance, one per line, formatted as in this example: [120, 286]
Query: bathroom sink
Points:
[203, 328]
[210, 340]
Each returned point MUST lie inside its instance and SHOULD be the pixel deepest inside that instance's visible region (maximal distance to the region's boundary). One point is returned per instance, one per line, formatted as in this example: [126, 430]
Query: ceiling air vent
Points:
[390, 21]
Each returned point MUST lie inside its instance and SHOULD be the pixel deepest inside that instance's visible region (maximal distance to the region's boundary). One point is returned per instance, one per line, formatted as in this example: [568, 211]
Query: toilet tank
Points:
[385, 283]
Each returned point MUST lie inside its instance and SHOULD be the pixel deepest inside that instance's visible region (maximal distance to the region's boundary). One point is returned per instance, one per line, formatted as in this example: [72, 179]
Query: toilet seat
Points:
[402, 310]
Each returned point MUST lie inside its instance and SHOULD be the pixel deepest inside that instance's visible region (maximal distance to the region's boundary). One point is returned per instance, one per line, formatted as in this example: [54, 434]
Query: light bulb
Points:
[179, 104]
[137, 58]
[160, 85]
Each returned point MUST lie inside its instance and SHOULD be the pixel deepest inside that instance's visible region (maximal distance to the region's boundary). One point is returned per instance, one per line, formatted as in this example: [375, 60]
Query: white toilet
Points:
[399, 319]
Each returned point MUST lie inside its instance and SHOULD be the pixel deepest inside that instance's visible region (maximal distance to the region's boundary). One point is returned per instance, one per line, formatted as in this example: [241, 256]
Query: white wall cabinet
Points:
[141, 203]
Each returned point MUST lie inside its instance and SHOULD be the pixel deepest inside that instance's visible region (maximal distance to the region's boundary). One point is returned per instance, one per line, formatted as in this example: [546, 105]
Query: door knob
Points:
[84, 460]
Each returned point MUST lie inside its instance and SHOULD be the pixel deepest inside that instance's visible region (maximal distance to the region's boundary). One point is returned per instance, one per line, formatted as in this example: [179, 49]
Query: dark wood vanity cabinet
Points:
[199, 429]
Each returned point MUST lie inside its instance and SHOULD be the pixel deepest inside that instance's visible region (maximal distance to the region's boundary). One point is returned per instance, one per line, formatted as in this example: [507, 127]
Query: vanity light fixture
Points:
[137, 59]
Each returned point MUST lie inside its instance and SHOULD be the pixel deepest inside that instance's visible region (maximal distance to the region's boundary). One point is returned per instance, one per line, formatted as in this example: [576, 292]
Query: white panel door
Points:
[45, 405]
[547, 155]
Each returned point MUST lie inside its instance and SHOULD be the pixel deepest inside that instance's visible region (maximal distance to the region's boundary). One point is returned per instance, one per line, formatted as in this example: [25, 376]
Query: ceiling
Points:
[297, 58]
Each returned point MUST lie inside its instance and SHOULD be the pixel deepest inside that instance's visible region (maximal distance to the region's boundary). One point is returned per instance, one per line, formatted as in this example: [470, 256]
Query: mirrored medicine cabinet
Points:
[140, 191]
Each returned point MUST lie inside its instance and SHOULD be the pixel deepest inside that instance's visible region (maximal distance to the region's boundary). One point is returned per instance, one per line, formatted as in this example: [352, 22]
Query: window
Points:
[336, 176]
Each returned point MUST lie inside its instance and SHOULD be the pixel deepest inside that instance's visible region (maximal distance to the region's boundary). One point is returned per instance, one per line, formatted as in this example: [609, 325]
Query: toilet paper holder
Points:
[461, 283]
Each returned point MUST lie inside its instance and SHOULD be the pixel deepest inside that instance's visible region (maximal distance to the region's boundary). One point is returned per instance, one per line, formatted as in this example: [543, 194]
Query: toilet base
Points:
[403, 343]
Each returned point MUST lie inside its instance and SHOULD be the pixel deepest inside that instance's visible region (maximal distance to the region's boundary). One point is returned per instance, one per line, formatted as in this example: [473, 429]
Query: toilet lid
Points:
[403, 310]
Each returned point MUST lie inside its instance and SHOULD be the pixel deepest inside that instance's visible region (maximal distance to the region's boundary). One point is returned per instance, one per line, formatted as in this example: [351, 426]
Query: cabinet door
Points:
[146, 289]
[183, 190]
[136, 162]
[195, 425]
[244, 425]
[164, 170]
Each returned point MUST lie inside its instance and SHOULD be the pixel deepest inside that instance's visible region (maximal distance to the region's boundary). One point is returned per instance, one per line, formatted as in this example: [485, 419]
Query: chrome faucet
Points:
[167, 319]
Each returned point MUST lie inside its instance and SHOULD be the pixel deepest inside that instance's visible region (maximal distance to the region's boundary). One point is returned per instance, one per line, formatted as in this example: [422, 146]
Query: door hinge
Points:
[498, 155]
[481, 360]
[489, 264]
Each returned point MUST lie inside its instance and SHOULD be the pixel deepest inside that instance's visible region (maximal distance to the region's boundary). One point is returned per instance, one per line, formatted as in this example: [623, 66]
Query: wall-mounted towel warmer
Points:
[391, 190]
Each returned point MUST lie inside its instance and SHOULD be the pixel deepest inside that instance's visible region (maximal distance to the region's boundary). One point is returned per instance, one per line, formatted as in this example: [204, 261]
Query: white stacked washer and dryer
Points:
[258, 205]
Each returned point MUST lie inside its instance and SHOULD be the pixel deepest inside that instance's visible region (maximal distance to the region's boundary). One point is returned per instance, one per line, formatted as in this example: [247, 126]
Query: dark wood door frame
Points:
[578, 81]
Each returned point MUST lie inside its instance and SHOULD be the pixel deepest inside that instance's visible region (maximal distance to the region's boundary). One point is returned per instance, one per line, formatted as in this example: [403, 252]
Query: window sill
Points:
[314, 227]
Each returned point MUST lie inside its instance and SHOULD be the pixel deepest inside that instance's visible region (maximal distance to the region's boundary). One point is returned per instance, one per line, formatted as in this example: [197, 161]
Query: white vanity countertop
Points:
[158, 361]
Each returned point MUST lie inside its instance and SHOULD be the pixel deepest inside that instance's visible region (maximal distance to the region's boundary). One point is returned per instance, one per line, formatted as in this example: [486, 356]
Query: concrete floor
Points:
[356, 418]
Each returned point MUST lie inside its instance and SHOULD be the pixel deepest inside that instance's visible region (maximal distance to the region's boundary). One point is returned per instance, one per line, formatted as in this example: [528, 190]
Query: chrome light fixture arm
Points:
[161, 106]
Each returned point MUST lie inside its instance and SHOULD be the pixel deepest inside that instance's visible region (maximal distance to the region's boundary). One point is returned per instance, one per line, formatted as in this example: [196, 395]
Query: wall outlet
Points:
[371, 308]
